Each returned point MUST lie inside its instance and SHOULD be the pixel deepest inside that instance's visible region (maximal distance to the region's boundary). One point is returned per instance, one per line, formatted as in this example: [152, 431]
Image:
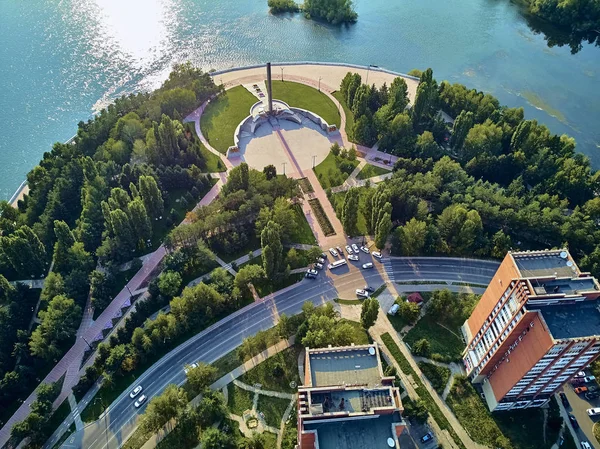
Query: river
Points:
[60, 61]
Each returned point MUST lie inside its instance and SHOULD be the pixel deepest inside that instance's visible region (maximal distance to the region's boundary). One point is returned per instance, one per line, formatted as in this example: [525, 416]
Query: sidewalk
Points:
[382, 326]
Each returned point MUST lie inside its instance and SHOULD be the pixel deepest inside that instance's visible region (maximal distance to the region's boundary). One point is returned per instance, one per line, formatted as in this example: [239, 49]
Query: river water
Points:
[60, 61]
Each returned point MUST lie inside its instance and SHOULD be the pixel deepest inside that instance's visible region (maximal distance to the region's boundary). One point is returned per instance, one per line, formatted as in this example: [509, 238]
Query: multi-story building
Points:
[536, 325]
[347, 402]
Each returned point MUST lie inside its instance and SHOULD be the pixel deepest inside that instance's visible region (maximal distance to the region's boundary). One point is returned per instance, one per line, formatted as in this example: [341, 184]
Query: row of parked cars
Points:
[353, 254]
[586, 385]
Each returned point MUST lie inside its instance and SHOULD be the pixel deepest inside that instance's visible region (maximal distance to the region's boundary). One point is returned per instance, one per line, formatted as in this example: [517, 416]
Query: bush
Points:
[422, 347]
[279, 6]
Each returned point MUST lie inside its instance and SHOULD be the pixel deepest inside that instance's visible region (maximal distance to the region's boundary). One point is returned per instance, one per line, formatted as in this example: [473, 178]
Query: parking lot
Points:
[578, 408]
[411, 437]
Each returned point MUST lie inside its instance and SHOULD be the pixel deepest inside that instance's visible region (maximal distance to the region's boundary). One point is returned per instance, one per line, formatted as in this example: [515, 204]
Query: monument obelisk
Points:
[269, 88]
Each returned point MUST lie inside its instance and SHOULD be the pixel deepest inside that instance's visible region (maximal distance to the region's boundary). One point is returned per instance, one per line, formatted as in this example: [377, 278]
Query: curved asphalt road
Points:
[226, 335]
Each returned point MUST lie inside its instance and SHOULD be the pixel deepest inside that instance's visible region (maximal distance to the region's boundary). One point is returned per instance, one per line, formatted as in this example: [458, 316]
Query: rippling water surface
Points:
[60, 61]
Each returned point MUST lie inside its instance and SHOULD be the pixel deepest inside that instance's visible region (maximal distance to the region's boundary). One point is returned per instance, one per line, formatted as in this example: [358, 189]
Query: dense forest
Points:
[331, 11]
[488, 181]
[576, 21]
[128, 177]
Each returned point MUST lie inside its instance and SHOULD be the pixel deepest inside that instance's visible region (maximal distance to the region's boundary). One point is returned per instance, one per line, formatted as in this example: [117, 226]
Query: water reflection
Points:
[556, 37]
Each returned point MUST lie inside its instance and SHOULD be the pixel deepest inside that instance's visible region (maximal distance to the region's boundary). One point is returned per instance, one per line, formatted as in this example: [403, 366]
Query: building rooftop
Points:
[574, 320]
[537, 264]
[344, 366]
[370, 433]
[568, 287]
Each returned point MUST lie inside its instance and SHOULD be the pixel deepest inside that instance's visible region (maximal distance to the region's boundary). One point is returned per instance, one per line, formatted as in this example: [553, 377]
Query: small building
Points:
[347, 402]
[415, 298]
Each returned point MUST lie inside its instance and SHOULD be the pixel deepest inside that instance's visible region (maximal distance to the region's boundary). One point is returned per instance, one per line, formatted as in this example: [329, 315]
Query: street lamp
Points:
[314, 157]
[105, 418]
[320, 78]
[281, 73]
[130, 294]
[284, 167]
[369, 68]
[87, 343]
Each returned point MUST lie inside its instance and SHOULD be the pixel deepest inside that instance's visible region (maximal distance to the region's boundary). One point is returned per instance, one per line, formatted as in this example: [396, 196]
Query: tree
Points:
[100, 289]
[25, 252]
[417, 410]
[502, 243]
[196, 305]
[139, 220]
[165, 407]
[411, 237]
[64, 241]
[249, 274]
[422, 348]
[270, 172]
[6, 290]
[460, 229]
[58, 324]
[169, 283]
[53, 286]
[462, 124]
[272, 255]
[409, 311]
[369, 312]
[483, 138]
[151, 196]
[398, 96]
[124, 237]
[384, 226]
[350, 211]
[215, 439]
[201, 376]
[426, 145]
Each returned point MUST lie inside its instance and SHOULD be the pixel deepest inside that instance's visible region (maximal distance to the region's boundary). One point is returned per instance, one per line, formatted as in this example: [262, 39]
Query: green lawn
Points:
[306, 97]
[484, 427]
[238, 399]
[437, 375]
[224, 114]
[369, 171]
[337, 201]
[448, 344]
[227, 363]
[349, 114]
[273, 409]
[359, 336]
[268, 286]
[276, 373]
[253, 244]
[214, 164]
[322, 218]
[303, 233]
[329, 173]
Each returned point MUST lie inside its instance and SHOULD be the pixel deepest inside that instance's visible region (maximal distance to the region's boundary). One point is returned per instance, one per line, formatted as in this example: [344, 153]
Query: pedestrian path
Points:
[353, 182]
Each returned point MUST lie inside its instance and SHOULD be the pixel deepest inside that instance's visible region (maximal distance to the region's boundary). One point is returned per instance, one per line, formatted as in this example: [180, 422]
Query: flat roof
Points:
[348, 366]
[366, 433]
[575, 320]
[352, 401]
[567, 286]
[536, 264]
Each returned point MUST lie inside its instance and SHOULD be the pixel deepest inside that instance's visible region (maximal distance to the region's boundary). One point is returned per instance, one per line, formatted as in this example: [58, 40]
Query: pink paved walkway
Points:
[71, 361]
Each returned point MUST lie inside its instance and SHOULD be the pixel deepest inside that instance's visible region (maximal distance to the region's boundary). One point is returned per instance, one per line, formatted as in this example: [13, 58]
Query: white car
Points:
[339, 250]
[394, 309]
[362, 293]
[319, 266]
[579, 374]
[353, 257]
[376, 254]
[589, 379]
[135, 391]
[140, 401]
[585, 445]
[186, 368]
[320, 260]
[333, 252]
[348, 249]
[355, 248]
[593, 411]
[367, 265]
[364, 249]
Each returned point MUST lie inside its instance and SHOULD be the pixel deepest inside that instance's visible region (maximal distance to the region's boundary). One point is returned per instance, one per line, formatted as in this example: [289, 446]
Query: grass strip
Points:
[425, 396]
[322, 218]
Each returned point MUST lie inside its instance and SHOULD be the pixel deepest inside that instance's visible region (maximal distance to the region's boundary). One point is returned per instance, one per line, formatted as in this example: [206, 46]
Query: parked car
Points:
[320, 260]
[427, 437]
[593, 388]
[339, 250]
[593, 411]
[394, 309]
[574, 422]
[311, 274]
[367, 265]
[323, 256]
[564, 400]
[365, 250]
[585, 445]
[589, 379]
[376, 254]
[579, 374]
[580, 390]
[355, 248]
[135, 391]
[333, 252]
[186, 368]
[362, 293]
[577, 381]
[353, 257]
[368, 288]
[140, 401]
[591, 396]
[348, 249]
[319, 266]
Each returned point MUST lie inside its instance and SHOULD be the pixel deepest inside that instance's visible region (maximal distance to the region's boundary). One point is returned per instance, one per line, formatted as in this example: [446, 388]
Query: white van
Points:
[337, 263]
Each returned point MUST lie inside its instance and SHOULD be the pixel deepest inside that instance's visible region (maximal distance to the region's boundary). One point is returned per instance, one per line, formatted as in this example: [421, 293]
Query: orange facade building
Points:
[535, 327]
